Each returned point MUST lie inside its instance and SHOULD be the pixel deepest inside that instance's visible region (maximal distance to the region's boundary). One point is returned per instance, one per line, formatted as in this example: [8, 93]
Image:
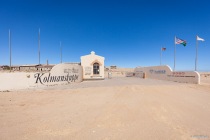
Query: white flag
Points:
[200, 39]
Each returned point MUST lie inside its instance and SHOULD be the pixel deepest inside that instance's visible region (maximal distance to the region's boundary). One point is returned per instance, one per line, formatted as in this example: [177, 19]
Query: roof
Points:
[45, 66]
[34, 65]
[91, 54]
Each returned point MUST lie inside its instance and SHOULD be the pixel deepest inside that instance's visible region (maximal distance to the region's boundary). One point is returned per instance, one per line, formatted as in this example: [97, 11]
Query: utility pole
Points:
[61, 51]
[10, 51]
[39, 46]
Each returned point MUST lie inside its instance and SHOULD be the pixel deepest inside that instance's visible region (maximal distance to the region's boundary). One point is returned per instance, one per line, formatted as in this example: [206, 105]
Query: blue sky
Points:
[128, 33]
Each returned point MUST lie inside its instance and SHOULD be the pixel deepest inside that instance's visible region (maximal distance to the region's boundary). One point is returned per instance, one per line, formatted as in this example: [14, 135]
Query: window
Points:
[95, 68]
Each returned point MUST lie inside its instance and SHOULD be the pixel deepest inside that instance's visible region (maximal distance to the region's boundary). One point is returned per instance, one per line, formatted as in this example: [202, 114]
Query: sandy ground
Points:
[111, 109]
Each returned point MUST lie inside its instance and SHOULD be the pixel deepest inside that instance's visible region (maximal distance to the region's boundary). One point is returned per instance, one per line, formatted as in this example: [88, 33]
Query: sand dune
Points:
[117, 108]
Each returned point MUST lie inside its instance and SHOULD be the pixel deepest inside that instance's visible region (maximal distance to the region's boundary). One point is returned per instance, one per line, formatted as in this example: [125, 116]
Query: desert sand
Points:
[112, 109]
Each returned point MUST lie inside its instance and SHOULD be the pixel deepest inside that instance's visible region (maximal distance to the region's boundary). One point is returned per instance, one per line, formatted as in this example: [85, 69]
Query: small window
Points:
[95, 68]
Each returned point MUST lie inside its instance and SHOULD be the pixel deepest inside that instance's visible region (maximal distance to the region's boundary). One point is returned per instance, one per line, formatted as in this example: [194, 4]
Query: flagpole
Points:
[39, 46]
[61, 51]
[160, 55]
[10, 50]
[175, 53]
[196, 57]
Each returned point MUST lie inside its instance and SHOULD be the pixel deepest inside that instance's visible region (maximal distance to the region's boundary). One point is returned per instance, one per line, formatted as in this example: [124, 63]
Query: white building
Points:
[93, 66]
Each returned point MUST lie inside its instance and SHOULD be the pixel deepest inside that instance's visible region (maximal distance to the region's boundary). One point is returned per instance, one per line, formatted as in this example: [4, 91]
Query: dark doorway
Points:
[95, 68]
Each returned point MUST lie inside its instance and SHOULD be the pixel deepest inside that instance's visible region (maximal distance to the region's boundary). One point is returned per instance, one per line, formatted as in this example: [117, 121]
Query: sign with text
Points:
[166, 73]
[60, 74]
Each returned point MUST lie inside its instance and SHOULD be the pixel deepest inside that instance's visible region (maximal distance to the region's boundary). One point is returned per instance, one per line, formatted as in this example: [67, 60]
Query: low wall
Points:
[130, 74]
[119, 72]
[59, 75]
[166, 73]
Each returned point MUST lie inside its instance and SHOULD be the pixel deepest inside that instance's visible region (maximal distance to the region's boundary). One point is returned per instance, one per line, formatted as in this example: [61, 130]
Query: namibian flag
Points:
[163, 49]
[180, 41]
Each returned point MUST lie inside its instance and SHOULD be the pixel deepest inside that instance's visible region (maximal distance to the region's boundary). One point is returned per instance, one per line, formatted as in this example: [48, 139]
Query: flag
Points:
[163, 49]
[180, 41]
[199, 39]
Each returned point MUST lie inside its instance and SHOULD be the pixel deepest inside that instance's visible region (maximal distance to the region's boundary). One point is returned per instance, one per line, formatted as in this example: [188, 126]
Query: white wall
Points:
[87, 64]
[60, 74]
[166, 73]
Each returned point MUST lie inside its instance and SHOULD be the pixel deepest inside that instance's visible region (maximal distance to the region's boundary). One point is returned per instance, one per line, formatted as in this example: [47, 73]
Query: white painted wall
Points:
[60, 74]
[87, 64]
[166, 73]
[12, 81]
